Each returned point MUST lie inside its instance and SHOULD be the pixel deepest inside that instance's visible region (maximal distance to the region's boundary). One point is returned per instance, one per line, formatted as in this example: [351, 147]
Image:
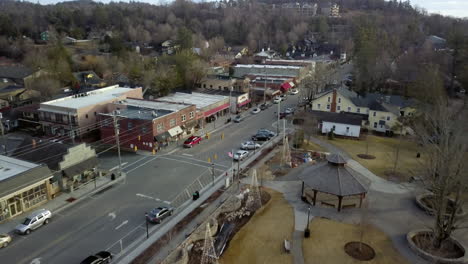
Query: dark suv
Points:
[261, 137]
[102, 257]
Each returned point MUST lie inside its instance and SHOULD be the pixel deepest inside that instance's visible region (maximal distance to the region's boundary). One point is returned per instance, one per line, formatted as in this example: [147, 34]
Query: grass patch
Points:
[327, 240]
[261, 239]
[384, 150]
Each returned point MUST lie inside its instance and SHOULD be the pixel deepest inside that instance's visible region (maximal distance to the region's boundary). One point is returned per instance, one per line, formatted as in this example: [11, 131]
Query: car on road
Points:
[191, 141]
[289, 110]
[264, 106]
[283, 97]
[256, 110]
[276, 100]
[5, 239]
[293, 91]
[238, 119]
[240, 155]
[158, 214]
[35, 220]
[268, 132]
[283, 115]
[248, 145]
[102, 257]
[261, 137]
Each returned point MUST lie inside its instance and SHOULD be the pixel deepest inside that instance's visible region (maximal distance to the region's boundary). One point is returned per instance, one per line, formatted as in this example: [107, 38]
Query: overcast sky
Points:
[457, 8]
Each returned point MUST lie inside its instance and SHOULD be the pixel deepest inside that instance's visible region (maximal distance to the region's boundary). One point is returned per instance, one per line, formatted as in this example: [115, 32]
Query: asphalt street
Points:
[112, 219]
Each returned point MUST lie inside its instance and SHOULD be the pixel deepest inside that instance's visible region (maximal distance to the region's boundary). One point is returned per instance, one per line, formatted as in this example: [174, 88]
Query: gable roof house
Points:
[382, 112]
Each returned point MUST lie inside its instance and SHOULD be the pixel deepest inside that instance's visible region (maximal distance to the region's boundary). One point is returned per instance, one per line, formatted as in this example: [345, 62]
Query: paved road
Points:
[114, 217]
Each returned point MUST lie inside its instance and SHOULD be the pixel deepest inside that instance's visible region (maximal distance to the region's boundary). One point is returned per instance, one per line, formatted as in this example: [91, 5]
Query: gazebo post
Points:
[315, 197]
[340, 198]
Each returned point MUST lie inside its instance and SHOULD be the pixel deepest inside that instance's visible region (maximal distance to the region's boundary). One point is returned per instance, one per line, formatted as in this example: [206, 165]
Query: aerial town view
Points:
[233, 132]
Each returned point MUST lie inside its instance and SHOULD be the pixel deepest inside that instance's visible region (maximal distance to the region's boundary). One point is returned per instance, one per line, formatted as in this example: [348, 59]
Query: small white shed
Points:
[343, 124]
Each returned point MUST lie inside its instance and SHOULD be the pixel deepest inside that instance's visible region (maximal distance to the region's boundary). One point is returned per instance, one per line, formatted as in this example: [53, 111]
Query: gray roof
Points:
[36, 155]
[14, 71]
[336, 159]
[26, 178]
[340, 118]
[333, 179]
[136, 112]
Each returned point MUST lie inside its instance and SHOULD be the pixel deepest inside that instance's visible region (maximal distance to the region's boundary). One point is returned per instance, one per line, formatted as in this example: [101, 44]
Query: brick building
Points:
[79, 112]
[144, 124]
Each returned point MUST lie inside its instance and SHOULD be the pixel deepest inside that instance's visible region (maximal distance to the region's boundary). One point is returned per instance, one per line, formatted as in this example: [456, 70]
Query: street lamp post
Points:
[307, 231]
[146, 220]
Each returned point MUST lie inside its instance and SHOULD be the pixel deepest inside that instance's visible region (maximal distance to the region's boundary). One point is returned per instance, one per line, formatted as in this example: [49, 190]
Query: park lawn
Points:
[384, 149]
[261, 239]
[327, 240]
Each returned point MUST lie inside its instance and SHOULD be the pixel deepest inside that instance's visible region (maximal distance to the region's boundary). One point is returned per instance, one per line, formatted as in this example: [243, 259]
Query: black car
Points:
[264, 106]
[261, 137]
[102, 257]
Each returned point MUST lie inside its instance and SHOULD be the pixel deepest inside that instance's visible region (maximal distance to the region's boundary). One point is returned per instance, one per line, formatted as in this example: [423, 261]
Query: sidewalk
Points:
[60, 202]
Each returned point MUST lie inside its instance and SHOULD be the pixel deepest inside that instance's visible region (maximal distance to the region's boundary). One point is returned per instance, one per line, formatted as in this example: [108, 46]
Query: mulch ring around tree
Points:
[366, 156]
[196, 253]
[359, 251]
[449, 249]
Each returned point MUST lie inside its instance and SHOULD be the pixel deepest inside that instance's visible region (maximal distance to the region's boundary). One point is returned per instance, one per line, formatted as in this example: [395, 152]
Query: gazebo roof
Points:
[329, 178]
[336, 159]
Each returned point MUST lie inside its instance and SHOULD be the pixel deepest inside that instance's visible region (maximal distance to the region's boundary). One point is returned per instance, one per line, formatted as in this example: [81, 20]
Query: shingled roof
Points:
[340, 118]
[332, 178]
[14, 71]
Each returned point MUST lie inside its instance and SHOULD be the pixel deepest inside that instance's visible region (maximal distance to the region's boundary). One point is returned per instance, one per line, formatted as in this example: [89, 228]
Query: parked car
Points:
[158, 214]
[293, 91]
[269, 132]
[264, 106]
[34, 221]
[276, 100]
[282, 97]
[261, 137]
[5, 239]
[256, 110]
[191, 141]
[98, 258]
[289, 110]
[238, 119]
[240, 155]
[283, 115]
[248, 145]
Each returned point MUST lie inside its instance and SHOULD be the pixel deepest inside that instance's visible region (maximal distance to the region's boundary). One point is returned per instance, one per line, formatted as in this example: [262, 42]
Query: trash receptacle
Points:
[196, 195]
[112, 176]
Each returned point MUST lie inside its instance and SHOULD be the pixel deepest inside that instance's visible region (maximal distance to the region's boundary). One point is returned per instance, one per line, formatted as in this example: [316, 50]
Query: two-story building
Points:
[380, 112]
[145, 124]
[79, 113]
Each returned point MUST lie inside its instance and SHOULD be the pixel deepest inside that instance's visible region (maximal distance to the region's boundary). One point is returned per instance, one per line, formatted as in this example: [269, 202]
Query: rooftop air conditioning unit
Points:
[153, 113]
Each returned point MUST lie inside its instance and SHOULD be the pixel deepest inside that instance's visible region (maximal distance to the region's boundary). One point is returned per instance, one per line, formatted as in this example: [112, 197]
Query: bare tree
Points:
[441, 131]
[315, 83]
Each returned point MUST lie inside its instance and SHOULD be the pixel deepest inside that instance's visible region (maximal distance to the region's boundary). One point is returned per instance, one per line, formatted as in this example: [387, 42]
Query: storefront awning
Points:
[216, 110]
[285, 87]
[175, 131]
[243, 103]
[78, 168]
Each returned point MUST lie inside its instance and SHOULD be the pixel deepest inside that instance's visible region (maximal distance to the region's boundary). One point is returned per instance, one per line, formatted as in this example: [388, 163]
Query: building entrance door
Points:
[14, 204]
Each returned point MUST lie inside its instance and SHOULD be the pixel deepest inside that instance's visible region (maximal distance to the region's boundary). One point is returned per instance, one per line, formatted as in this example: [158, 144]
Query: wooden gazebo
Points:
[333, 177]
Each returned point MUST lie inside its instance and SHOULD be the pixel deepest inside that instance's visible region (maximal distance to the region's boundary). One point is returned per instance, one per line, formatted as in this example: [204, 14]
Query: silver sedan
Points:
[248, 145]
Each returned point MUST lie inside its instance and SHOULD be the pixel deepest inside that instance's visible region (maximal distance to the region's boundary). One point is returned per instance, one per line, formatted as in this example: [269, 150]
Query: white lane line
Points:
[143, 164]
[202, 161]
[188, 155]
[152, 198]
[122, 224]
[116, 167]
[112, 215]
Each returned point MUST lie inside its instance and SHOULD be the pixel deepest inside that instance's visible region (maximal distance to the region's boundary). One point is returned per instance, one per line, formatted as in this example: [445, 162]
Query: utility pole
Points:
[265, 86]
[72, 133]
[213, 173]
[117, 141]
[3, 135]
[278, 117]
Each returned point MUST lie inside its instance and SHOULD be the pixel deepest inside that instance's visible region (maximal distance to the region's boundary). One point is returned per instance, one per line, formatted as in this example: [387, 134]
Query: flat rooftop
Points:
[88, 98]
[135, 112]
[200, 100]
[261, 66]
[171, 106]
[10, 167]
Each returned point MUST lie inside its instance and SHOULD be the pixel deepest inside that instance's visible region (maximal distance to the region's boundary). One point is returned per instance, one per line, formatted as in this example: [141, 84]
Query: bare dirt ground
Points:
[261, 239]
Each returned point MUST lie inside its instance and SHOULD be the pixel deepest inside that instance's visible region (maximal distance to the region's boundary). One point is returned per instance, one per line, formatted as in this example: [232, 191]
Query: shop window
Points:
[183, 118]
[191, 115]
